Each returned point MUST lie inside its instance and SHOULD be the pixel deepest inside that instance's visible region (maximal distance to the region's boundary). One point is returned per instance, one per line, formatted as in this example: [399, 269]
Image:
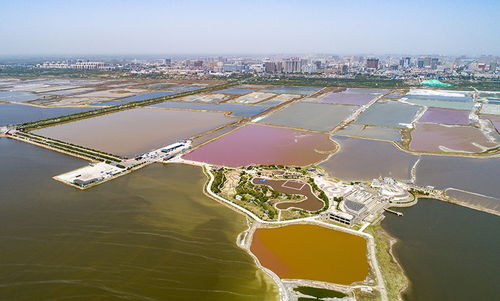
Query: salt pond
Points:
[389, 114]
[441, 104]
[141, 97]
[478, 175]
[132, 132]
[311, 252]
[370, 132]
[311, 116]
[429, 137]
[445, 116]
[345, 98]
[360, 159]
[233, 108]
[18, 96]
[11, 113]
[259, 144]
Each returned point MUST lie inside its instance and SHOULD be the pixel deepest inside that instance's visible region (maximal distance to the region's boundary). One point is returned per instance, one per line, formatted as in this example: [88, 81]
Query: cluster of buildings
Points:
[78, 65]
[315, 66]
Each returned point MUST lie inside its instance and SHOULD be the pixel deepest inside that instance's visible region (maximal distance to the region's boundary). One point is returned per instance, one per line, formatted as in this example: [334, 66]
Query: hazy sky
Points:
[45, 27]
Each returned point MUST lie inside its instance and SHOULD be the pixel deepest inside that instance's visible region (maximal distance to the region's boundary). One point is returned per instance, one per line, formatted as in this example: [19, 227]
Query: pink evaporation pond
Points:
[445, 116]
[428, 137]
[260, 144]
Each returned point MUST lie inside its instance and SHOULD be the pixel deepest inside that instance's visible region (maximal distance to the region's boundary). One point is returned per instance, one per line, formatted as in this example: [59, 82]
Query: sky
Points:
[223, 27]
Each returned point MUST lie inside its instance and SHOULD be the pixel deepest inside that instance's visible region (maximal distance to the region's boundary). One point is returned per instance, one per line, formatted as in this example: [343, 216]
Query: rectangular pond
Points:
[389, 114]
[237, 91]
[457, 105]
[311, 116]
[492, 109]
[292, 90]
[11, 113]
[478, 175]
[141, 97]
[233, 108]
[132, 132]
[344, 98]
[429, 137]
[259, 144]
[445, 116]
[365, 160]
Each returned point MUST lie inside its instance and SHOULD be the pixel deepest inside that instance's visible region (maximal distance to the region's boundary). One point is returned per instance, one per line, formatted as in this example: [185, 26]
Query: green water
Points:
[449, 252]
[149, 235]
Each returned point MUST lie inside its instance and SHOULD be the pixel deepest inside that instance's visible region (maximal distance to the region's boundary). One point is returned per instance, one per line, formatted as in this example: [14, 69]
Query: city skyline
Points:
[223, 27]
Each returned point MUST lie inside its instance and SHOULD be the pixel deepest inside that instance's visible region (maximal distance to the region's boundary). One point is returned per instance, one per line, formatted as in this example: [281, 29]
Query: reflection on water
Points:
[449, 252]
[150, 235]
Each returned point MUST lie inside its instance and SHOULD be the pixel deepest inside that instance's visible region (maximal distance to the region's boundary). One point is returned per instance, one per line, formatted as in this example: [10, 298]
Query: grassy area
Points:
[356, 82]
[367, 296]
[319, 293]
[394, 277]
[258, 194]
[219, 180]
[321, 194]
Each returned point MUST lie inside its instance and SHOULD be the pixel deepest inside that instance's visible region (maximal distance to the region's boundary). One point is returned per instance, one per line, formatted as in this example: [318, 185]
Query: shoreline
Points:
[371, 252]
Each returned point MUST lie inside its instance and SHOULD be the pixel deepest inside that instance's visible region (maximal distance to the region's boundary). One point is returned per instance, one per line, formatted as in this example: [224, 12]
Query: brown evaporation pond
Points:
[311, 203]
[360, 159]
[259, 144]
[311, 252]
[427, 137]
[132, 132]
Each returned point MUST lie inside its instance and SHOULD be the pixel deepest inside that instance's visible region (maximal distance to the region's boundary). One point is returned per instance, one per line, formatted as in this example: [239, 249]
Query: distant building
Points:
[234, 68]
[292, 65]
[405, 62]
[198, 64]
[434, 63]
[80, 65]
[273, 67]
[372, 63]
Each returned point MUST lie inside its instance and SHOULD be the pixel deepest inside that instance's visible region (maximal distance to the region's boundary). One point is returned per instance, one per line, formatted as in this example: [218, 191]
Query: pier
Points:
[394, 212]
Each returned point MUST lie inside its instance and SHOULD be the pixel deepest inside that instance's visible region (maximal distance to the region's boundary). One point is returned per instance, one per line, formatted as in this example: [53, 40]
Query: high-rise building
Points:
[273, 67]
[292, 65]
[372, 63]
[405, 62]
[198, 64]
[168, 62]
[420, 63]
[434, 63]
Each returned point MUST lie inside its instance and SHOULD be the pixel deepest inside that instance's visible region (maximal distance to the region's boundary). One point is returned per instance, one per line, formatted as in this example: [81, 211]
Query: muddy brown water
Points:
[311, 203]
[149, 235]
[311, 252]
